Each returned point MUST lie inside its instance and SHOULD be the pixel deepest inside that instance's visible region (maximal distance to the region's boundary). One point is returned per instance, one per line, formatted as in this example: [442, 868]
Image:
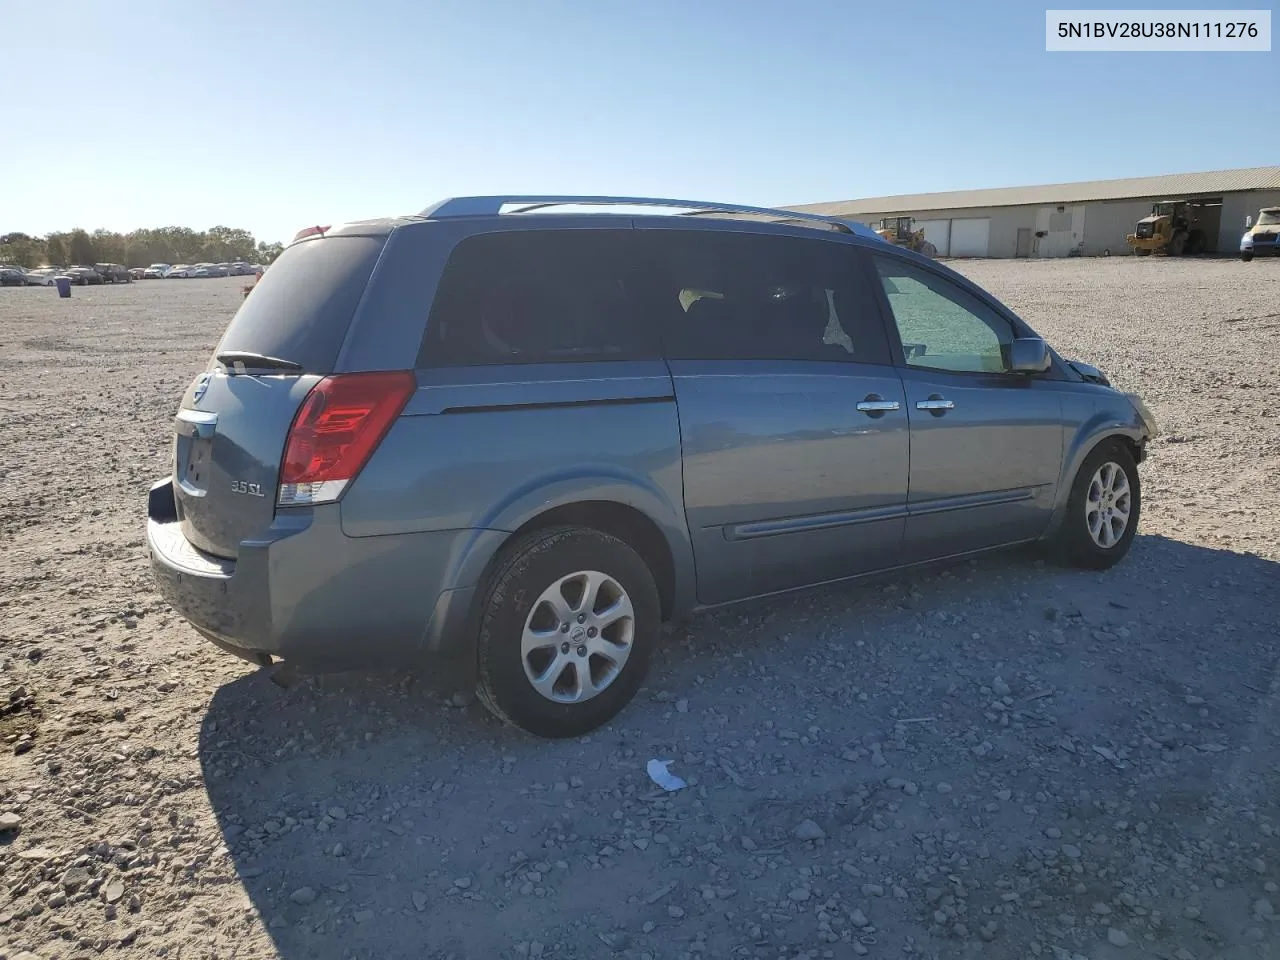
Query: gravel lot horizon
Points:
[993, 758]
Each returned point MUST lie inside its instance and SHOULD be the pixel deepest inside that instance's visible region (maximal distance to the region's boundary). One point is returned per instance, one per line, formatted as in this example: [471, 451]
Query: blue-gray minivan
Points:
[531, 429]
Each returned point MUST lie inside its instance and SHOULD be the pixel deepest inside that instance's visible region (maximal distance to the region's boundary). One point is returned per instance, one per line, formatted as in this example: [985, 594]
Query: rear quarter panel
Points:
[492, 448]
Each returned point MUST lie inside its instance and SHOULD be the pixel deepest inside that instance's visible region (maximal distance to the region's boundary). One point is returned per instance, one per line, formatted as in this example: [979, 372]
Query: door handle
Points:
[876, 406]
[936, 405]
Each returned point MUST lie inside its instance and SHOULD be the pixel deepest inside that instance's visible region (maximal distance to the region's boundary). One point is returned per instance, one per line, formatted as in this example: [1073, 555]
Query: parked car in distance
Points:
[113, 273]
[12, 277]
[180, 271]
[374, 465]
[41, 277]
[240, 269]
[82, 275]
[156, 271]
[1262, 239]
[136, 273]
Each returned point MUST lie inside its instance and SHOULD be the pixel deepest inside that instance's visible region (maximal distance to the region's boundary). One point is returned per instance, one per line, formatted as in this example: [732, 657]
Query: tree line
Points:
[137, 249]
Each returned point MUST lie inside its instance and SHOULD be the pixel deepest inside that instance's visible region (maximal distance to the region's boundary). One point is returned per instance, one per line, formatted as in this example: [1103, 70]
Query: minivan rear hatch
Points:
[231, 429]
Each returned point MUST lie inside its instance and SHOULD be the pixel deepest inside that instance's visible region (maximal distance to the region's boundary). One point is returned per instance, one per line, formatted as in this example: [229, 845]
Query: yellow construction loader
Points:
[1172, 229]
[897, 230]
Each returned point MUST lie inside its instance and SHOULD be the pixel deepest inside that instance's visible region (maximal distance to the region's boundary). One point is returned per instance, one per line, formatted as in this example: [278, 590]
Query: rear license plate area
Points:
[192, 451]
[193, 463]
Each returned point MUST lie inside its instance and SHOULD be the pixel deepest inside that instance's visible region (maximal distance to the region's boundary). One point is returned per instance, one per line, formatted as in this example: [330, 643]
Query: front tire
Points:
[1246, 257]
[569, 620]
[1102, 510]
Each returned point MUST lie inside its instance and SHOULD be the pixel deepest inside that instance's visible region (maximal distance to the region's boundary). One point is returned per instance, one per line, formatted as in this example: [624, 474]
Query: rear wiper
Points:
[257, 361]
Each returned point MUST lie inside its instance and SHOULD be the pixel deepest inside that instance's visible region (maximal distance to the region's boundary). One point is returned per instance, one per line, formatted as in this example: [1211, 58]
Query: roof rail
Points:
[492, 206]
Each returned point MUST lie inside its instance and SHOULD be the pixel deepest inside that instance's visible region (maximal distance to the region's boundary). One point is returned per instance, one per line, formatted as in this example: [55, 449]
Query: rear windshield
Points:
[300, 309]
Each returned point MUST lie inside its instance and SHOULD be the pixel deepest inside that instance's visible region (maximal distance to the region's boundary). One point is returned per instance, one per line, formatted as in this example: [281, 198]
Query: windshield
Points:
[1269, 218]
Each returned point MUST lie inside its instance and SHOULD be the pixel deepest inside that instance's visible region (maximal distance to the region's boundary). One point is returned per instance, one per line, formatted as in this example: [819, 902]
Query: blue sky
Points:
[274, 115]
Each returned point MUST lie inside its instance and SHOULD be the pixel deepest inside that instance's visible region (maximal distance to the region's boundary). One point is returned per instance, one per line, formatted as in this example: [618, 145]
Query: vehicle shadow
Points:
[366, 816]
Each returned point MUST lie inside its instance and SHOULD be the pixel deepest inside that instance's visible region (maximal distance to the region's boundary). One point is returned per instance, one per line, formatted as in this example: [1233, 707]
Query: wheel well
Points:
[627, 524]
[1135, 449]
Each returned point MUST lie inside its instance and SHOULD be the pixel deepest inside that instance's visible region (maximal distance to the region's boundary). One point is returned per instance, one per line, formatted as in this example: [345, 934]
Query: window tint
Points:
[942, 326]
[535, 296]
[301, 308]
[738, 296]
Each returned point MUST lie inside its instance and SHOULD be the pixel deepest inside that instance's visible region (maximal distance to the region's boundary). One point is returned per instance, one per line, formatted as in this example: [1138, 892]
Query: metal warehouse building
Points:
[1070, 219]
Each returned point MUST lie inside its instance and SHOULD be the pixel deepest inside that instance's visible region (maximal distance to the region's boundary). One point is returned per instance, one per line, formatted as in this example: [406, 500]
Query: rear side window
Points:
[302, 306]
[536, 296]
[740, 296]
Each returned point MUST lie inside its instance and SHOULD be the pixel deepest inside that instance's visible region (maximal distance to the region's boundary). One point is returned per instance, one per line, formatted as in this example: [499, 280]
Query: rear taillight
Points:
[336, 430]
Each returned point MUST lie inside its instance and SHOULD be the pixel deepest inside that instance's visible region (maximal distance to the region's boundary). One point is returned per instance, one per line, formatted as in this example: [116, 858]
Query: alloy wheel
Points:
[577, 637]
[1108, 504]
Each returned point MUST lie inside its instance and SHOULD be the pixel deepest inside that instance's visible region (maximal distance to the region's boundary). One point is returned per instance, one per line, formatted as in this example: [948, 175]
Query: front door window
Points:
[942, 327]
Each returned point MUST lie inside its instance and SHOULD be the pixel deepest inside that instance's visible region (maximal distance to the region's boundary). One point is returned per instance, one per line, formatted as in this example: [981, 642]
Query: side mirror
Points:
[1248, 221]
[1028, 355]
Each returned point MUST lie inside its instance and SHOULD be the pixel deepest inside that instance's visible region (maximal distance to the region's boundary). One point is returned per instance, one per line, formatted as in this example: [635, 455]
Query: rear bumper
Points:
[307, 593]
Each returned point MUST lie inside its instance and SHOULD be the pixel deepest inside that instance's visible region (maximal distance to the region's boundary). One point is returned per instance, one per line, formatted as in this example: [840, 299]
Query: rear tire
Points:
[569, 620]
[1140, 252]
[1106, 490]
[1246, 257]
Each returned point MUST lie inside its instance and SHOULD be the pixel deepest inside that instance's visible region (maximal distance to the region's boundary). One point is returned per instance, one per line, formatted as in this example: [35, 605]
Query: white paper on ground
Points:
[664, 778]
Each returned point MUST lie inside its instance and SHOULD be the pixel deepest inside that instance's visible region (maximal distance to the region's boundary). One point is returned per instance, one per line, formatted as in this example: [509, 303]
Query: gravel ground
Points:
[995, 759]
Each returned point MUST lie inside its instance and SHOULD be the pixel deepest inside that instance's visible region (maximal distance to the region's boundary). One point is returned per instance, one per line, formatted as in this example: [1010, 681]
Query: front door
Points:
[986, 444]
[793, 422]
[1023, 248]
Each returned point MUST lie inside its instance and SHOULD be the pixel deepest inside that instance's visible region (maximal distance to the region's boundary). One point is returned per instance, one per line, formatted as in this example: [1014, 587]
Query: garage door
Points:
[970, 237]
[937, 232]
